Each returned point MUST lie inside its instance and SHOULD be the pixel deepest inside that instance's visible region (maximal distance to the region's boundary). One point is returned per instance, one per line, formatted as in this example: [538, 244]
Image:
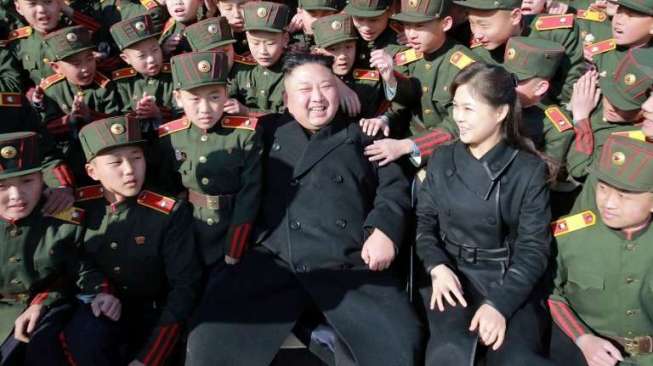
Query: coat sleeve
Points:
[183, 272]
[531, 248]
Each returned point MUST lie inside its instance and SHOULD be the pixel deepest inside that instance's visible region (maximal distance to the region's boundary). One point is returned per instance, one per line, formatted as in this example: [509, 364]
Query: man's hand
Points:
[491, 326]
[233, 106]
[585, 95]
[598, 351]
[383, 62]
[372, 126]
[378, 251]
[57, 199]
[171, 44]
[26, 322]
[388, 150]
[231, 260]
[108, 305]
[146, 107]
[349, 100]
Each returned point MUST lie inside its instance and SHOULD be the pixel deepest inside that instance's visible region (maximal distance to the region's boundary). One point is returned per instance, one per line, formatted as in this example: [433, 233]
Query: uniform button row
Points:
[295, 225]
[14, 259]
[302, 268]
[341, 223]
[202, 159]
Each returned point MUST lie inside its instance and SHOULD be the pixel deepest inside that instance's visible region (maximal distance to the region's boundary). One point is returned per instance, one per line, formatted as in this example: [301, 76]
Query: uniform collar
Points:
[35, 212]
[118, 207]
[446, 46]
[633, 235]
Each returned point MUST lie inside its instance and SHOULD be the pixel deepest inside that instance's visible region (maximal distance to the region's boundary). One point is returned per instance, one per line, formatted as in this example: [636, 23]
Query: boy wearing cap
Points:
[308, 12]
[40, 258]
[619, 109]
[233, 11]
[601, 296]
[143, 243]
[76, 94]
[216, 159]
[494, 22]
[145, 88]
[182, 13]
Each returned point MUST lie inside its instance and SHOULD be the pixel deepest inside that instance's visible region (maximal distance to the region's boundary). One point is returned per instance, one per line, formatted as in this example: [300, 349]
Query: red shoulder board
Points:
[461, 60]
[551, 22]
[169, 24]
[601, 47]
[89, 193]
[245, 59]
[407, 56]
[149, 4]
[475, 43]
[72, 214]
[363, 74]
[20, 33]
[123, 73]
[245, 122]
[101, 80]
[10, 99]
[173, 126]
[396, 27]
[156, 201]
[166, 68]
[51, 80]
[591, 14]
[572, 223]
[558, 119]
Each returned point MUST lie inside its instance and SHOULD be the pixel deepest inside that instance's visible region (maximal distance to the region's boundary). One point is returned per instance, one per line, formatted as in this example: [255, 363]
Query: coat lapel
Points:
[320, 145]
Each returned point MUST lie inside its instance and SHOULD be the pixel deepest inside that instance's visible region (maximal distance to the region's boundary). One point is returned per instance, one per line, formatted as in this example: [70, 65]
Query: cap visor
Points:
[205, 83]
[263, 29]
[363, 13]
[20, 173]
[212, 46]
[104, 150]
[616, 97]
[632, 5]
[72, 53]
[411, 18]
[335, 41]
[613, 181]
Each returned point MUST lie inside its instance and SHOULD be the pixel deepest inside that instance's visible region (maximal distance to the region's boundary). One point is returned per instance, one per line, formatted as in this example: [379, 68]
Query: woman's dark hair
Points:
[292, 60]
[496, 86]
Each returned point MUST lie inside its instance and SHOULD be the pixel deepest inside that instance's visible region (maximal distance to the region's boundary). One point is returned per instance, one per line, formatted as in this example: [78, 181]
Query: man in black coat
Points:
[329, 228]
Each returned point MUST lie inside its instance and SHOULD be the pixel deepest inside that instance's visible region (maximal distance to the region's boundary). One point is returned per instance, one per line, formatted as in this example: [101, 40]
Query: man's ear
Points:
[542, 88]
[90, 171]
[17, 6]
[124, 58]
[177, 95]
[446, 23]
[515, 17]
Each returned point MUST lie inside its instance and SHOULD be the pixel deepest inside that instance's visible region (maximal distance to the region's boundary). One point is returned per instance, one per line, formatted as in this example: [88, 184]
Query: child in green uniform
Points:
[308, 12]
[233, 11]
[182, 13]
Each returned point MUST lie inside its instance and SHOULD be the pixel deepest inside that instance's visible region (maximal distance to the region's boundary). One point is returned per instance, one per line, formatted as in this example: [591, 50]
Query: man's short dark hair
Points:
[293, 60]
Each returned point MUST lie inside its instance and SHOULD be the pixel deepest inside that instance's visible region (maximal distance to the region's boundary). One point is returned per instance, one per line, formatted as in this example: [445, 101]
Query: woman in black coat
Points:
[483, 230]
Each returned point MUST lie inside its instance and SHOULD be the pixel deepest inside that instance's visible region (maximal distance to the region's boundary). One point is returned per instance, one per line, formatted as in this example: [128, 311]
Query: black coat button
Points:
[338, 179]
[276, 146]
[295, 225]
[448, 172]
[294, 182]
[302, 268]
[341, 223]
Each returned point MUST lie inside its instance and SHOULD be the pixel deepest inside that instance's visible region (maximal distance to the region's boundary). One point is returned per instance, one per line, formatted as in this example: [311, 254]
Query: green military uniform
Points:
[546, 123]
[173, 28]
[594, 24]
[426, 96]
[303, 41]
[365, 82]
[261, 88]
[10, 71]
[561, 29]
[627, 91]
[132, 86]
[209, 34]
[100, 96]
[145, 247]
[220, 167]
[38, 251]
[608, 54]
[600, 286]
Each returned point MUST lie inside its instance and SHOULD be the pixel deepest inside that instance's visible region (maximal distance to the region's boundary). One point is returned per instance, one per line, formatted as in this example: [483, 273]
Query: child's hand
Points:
[147, 108]
[296, 24]
[372, 126]
[233, 106]
[383, 62]
[38, 95]
[171, 44]
[585, 95]
[79, 108]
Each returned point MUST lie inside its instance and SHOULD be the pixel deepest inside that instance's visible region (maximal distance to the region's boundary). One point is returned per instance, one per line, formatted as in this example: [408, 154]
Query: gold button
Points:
[210, 221]
[445, 88]
[15, 281]
[14, 259]
[116, 269]
[425, 89]
[630, 279]
[630, 246]
[205, 180]
[14, 232]
[265, 73]
[427, 111]
[630, 312]
[114, 245]
[428, 66]
[202, 159]
[150, 81]
[204, 138]
[262, 91]
[630, 333]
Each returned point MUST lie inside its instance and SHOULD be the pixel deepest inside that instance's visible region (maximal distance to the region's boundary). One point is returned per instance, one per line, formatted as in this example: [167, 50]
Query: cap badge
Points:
[203, 66]
[630, 79]
[412, 3]
[261, 12]
[140, 26]
[618, 158]
[212, 28]
[71, 37]
[8, 152]
[117, 129]
[336, 25]
[511, 53]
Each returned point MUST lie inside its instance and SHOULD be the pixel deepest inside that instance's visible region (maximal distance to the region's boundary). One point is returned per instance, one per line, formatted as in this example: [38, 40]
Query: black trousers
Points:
[44, 347]
[563, 350]
[249, 309]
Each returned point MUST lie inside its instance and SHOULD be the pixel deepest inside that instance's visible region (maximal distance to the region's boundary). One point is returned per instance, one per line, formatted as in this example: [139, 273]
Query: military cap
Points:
[67, 42]
[367, 8]
[420, 11]
[266, 16]
[133, 30]
[195, 69]
[333, 29]
[209, 33]
[641, 6]
[489, 4]
[628, 88]
[626, 164]
[332, 5]
[19, 154]
[108, 133]
[528, 57]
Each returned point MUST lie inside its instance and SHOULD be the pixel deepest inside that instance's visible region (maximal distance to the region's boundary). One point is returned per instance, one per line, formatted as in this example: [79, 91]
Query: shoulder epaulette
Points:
[245, 122]
[572, 223]
[10, 100]
[551, 22]
[591, 14]
[156, 201]
[245, 59]
[558, 119]
[20, 33]
[72, 214]
[173, 126]
[365, 74]
[101, 79]
[396, 27]
[474, 43]
[407, 56]
[461, 60]
[601, 47]
[149, 4]
[635, 135]
[123, 73]
[89, 193]
[166, 68]
[51, 80]
[169, 24]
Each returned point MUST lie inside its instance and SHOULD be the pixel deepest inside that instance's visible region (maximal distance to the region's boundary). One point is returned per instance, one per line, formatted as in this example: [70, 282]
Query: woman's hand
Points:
[491, 326]
[445, 285]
